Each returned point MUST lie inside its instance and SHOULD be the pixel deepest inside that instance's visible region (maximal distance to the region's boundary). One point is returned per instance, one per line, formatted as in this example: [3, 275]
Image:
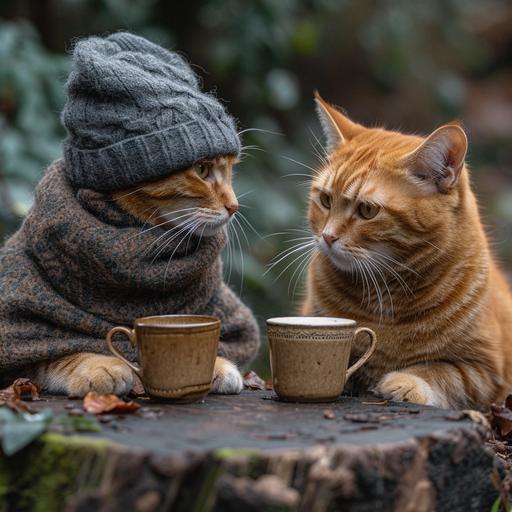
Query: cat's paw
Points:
[405, 387]
[227, 380]
[103, 374]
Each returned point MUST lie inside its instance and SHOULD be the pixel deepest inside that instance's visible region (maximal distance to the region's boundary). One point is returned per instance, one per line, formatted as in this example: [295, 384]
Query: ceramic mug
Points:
[176, 354]
[309, 356]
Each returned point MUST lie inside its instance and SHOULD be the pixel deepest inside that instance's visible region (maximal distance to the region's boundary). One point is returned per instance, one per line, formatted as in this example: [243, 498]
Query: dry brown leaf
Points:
[137, 389]
[13, 395]
[253, 381]
[501, 417]
[100, 404]
[377, 402]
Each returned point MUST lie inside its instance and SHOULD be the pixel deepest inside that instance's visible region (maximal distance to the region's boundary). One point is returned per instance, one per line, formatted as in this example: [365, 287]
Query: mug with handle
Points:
[176, 354]
[309, 356]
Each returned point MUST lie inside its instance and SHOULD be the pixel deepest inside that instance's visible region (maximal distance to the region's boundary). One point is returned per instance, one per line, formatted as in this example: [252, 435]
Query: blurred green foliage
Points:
[408, 64]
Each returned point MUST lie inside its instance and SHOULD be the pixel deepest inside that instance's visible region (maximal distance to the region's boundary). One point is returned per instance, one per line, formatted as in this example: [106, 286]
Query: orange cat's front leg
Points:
[77, 374]
[442, 385]
[227, 380]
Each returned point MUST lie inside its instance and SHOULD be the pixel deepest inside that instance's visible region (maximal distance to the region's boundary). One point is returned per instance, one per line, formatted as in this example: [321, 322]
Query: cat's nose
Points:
[329, 239]
[231, 208]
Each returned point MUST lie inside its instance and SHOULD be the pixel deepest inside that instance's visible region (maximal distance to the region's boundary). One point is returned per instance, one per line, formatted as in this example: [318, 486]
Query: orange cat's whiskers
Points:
[243, 218]
[305, 248]
[313, 170]
[301, 267]
[162, 223]
[182, 228]
[406, 288]
[237, 238]
[186, 216]
[191, 230]
[117, 197]
[375, 283]
[323, 156]
[388, 291]
[394, 261]
[243, 150]
[261, 130]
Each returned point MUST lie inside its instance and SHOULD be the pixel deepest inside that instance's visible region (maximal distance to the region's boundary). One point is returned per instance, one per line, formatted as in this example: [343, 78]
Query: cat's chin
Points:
[342, 262]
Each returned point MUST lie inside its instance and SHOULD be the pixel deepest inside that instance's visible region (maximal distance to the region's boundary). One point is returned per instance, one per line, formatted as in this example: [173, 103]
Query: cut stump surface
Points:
[252, 452]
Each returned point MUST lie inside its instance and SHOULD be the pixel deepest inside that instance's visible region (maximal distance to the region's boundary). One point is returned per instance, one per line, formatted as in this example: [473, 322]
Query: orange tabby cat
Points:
[403, 251]
[203, 193]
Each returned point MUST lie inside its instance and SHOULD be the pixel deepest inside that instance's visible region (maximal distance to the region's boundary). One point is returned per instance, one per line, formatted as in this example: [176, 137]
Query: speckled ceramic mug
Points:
[176, 354]
[309, 356]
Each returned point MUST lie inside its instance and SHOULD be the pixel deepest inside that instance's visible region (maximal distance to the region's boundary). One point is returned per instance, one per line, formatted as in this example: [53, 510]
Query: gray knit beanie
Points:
[134, 113]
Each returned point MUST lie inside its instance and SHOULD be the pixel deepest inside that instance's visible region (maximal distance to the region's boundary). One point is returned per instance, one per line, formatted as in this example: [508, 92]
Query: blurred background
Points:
[408, 65]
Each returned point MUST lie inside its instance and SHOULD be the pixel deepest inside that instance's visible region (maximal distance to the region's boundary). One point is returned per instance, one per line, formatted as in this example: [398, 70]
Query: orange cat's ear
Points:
[439, 160]
[336, 127]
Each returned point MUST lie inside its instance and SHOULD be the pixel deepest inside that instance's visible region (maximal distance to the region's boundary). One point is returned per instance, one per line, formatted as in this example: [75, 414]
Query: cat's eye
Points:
[325, 200]
[368, 210]
[203, 169]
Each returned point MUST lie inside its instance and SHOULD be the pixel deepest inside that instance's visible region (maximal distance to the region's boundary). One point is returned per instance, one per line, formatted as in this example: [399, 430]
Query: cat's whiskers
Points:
[292, 262]
[251, 227]
[376, 286]
[307, 262]
[161, 223]
[245, 194]
[288, 252]
[237, 238]
[198, 213]
[184, 227]
[324, 156]
[116, 198]
[364, 281]
[260, 130]
[189, 224]
[395, 261]
[383, 277]
[230, 252]
[297, 273]
[191, 229]
[397, 276]
[313, 170]
[168, 232]
[362, 253]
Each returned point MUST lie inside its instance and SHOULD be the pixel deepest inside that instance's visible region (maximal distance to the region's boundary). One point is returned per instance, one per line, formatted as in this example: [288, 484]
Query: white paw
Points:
[405, 387]
[103, 374]
[227, 380]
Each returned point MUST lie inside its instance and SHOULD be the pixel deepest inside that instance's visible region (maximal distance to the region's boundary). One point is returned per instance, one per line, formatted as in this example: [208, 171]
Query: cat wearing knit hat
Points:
[129, 223]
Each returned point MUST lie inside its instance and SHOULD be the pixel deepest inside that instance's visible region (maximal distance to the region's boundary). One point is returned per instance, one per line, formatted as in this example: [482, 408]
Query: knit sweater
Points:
[79, 266]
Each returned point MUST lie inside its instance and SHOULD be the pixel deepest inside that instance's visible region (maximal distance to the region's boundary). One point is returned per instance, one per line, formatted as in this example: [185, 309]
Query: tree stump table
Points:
[251, 452]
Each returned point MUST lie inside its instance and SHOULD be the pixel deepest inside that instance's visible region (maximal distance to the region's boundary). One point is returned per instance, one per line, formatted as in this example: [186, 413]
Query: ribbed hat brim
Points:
[150, 156]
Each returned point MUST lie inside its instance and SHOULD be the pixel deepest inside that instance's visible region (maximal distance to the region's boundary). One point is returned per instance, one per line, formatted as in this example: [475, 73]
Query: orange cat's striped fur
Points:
[402, 250]
[206, 190]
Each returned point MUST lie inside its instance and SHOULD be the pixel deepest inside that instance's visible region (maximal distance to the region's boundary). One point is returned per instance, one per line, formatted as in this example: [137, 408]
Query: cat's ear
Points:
[336, 126]
[439, 160]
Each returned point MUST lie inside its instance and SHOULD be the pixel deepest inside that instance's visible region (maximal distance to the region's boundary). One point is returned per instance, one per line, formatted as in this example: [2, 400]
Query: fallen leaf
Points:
[137, 389]
[12, 396]
[253, 381]
[19, 430]
[379, 402]
[329, 414]
[501, 417]
[99, 404]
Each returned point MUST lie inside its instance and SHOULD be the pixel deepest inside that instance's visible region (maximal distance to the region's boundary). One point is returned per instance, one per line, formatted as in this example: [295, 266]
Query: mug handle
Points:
[130, 333]
[366, 355]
